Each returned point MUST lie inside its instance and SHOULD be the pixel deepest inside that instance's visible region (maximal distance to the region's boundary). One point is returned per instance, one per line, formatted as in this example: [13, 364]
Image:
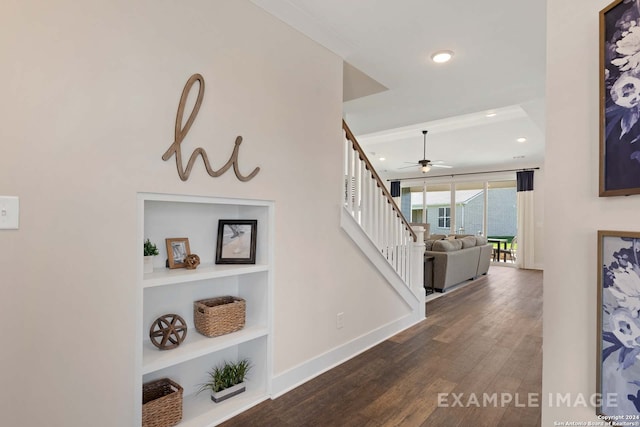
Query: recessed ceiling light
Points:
[442, 56]
[521, 139]
[382, 159]
[491, 114]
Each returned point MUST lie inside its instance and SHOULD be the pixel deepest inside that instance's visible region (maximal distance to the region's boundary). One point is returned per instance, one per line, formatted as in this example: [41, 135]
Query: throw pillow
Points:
[481, 240]
[468, 242]
[446, 245]
[442, 246]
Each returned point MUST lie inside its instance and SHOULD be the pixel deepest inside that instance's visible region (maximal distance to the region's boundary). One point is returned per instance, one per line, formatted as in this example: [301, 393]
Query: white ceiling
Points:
[498, 66]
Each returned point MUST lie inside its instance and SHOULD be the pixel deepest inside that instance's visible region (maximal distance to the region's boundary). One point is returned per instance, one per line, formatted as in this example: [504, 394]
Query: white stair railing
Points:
[367, 200]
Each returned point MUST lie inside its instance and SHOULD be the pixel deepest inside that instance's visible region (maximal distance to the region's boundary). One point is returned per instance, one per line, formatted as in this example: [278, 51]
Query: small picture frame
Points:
[618, 327]
[177, 251]
[236, 241]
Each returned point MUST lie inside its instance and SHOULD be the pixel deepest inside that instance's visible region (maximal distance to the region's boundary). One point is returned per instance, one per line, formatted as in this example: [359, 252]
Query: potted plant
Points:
[226, 380]
[150, 250]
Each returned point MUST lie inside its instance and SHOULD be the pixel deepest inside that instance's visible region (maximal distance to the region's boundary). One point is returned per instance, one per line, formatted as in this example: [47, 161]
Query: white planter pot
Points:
[148, 264]
[228, 392]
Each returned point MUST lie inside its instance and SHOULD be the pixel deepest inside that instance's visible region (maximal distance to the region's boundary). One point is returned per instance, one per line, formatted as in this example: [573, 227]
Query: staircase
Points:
[374, 222]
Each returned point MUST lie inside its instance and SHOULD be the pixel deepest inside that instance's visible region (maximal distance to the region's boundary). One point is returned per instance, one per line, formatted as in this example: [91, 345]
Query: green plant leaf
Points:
[150, 249]
[226, 375]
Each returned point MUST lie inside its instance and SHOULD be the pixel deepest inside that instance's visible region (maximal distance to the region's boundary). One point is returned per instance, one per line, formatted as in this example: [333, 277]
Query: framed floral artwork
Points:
[236, 241]
[620, 98]
[618, 356]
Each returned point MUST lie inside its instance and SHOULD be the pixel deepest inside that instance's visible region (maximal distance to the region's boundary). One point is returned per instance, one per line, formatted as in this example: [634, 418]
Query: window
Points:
[444, 217]
[416, 215]
[502, 218]
[469, 208]
[439, 196]
[478, 207]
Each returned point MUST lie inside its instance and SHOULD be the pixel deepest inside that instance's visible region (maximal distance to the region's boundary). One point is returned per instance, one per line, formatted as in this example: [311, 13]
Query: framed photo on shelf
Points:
[236, 241]
[177, 251]
[620, 99]
[618, 327]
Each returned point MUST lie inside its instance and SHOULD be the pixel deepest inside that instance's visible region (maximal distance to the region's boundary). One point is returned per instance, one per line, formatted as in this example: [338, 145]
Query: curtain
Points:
[395, 188]
[526, 221]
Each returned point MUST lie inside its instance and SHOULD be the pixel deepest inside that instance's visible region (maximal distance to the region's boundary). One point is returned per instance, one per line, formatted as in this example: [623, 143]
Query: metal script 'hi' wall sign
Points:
[181, 133]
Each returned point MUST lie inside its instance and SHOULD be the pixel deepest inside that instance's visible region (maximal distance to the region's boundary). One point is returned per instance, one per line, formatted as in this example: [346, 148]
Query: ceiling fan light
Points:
[425, 168]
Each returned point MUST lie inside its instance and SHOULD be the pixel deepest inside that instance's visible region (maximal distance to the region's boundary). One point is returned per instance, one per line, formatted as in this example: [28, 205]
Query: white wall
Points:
[89, 97]
[573, 210]
[539, 247]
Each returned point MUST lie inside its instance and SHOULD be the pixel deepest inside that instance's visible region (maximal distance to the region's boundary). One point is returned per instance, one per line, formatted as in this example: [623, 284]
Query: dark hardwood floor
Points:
[480, 346]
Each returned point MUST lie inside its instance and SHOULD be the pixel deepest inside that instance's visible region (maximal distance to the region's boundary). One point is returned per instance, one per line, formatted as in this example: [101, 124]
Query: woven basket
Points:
[161, 403]
[219, 316]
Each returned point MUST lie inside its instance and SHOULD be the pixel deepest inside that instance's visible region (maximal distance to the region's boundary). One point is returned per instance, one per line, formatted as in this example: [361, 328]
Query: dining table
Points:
[502, 246]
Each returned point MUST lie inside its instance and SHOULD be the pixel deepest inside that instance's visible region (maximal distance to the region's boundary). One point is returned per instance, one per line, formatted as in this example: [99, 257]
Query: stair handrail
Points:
[376, 177]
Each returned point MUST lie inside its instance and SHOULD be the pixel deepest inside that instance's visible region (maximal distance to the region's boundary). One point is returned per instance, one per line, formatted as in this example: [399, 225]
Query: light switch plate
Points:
[9, 212]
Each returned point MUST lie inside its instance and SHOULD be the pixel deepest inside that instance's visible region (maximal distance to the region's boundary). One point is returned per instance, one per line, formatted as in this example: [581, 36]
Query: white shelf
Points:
[195, 345]
[162, 216]
[200, 410]
[163, 277]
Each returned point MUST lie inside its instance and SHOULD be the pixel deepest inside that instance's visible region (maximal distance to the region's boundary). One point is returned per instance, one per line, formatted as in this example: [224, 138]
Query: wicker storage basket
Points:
[161, 403]
[219, 316]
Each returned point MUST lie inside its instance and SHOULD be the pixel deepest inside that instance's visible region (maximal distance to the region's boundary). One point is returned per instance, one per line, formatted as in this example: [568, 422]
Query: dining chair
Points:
[512, 252]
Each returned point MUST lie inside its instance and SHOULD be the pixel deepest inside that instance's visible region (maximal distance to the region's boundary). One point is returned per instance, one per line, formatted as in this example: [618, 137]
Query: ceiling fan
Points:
[425, 164]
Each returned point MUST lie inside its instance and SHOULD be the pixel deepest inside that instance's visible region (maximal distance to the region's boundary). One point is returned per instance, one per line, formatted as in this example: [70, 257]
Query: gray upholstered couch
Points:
[456, 259]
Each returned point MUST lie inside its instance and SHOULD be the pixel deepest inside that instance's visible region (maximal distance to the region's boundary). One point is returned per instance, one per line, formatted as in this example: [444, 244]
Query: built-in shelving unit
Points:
[162, 216]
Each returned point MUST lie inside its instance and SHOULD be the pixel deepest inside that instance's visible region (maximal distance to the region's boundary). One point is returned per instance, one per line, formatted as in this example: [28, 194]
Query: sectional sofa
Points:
[456, 259]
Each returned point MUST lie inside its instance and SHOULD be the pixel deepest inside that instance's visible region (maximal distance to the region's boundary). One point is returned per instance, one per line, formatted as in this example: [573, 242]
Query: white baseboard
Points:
[293, 377]
[298, 375]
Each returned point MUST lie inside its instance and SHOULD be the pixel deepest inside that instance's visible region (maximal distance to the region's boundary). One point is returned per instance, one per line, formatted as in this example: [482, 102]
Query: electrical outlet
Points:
[339, 320]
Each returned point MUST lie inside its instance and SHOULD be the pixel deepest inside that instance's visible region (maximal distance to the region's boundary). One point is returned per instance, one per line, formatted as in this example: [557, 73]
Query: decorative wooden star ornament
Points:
[192, 261]
[168, 331]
